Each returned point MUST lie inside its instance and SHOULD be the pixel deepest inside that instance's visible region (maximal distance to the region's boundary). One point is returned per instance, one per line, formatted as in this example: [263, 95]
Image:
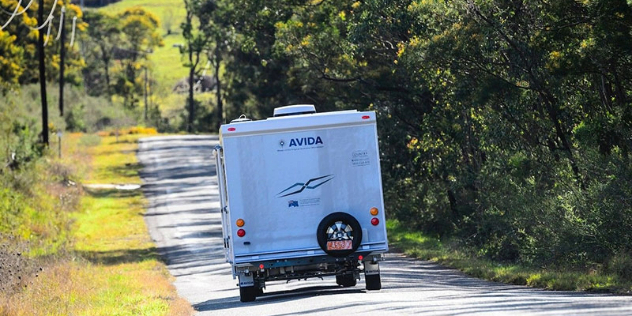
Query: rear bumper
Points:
[319, 265]
[301, 255]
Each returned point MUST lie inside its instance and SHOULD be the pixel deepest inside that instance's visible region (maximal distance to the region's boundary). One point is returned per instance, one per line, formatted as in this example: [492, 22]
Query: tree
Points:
[139, 29]
[196, 39]
[11, 61]
[502, 123]
[103, 36]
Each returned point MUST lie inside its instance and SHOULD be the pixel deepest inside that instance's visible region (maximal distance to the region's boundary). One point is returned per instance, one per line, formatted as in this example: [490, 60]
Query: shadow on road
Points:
[276, 297]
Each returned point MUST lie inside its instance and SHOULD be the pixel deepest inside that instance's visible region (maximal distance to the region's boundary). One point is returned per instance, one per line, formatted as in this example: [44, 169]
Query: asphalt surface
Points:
[184, 221]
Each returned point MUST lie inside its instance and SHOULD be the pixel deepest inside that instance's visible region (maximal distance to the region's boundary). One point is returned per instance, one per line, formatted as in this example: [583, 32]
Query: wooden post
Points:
[42, 73]
[62, 53]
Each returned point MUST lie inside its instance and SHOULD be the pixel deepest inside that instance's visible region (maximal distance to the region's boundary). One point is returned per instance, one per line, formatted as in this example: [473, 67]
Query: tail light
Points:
[375, 221]
[241, 233]
[374, 211]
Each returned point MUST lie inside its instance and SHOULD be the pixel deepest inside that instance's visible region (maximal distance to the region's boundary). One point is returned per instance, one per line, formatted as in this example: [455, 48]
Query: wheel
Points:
[373, 282]
[346, 280]
[259, 289]
[339, 234]
[247, 293]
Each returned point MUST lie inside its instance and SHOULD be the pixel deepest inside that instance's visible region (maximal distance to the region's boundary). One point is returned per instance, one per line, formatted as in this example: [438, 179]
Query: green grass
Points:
[168, 64]
[165, 10]
[417, 245]
[112, 267]
[116, 161]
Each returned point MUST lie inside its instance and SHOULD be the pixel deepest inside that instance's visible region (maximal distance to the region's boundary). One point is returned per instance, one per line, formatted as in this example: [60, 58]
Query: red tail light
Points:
[375, 221]
[241, 233]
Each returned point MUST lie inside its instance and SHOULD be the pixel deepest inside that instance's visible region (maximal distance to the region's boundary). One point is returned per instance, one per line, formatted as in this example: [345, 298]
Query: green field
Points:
[167, 63]
[168, 68]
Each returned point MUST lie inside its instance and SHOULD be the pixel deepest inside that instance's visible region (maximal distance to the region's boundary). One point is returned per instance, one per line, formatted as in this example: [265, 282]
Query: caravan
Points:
[301, 197]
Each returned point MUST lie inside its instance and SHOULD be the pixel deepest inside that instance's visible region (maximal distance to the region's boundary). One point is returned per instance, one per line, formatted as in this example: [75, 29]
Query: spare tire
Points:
[339, 234]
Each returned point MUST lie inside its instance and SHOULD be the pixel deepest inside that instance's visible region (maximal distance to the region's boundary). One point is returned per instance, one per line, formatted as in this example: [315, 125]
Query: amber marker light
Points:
[374, 211]
[240, 223]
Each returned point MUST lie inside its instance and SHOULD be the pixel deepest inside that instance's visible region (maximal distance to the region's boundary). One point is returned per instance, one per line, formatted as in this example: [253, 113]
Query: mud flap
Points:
[371, 268]
[246, 280]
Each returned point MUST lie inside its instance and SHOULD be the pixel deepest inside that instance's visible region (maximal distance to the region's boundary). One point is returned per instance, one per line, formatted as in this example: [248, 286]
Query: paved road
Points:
[183, 219]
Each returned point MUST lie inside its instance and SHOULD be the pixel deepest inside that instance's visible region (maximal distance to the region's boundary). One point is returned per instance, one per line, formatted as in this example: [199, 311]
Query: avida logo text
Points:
[305, 141]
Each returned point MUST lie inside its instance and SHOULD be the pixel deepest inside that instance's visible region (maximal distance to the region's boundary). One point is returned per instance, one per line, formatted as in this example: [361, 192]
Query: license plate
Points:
[339, 245]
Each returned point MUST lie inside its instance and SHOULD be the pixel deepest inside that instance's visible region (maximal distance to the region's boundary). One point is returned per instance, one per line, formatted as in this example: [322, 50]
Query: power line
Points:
[61, 22]
[74, 24]
[27, 7]
[47, 22]
[12, 15]
[16, 13]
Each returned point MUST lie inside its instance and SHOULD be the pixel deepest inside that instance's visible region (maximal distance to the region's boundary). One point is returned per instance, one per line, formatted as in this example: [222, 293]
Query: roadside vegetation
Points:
[449, 253]
[67, 250]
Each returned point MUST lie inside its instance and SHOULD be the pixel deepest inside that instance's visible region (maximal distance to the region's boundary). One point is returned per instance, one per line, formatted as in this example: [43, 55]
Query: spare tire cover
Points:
[339, 234]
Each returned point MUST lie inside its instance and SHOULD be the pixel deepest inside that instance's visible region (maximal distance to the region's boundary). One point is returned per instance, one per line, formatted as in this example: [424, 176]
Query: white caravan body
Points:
[285, 181]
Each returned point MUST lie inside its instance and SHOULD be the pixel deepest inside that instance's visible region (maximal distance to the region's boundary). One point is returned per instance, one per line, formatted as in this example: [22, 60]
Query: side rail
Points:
[221, 179]
[223, 200]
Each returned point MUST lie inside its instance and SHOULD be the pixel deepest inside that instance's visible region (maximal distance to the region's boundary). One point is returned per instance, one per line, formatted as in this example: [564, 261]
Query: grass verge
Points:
[111, 266]
[417, 245]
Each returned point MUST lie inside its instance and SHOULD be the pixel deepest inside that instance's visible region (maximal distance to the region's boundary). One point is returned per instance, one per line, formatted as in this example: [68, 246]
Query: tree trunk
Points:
[218, 86]
[191, 86]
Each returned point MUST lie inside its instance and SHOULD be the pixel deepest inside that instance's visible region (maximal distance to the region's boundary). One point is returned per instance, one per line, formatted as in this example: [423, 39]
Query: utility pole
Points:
[42, 74]
[62, 53]
[145, 93]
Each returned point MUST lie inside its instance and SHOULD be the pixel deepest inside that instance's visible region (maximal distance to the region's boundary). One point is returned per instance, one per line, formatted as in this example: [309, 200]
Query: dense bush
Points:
[503, 125]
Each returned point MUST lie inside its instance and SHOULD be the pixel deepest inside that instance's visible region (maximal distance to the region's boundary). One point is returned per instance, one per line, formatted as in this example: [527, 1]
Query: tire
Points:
[339, 227]
[346, 280]
[373, 282]
[259, 289]
[247, 293]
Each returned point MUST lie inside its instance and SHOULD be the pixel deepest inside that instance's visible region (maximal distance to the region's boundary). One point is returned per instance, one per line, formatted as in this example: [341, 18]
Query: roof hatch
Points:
[294, 110]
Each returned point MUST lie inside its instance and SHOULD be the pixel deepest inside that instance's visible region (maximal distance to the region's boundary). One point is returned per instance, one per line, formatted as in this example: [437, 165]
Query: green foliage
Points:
[129, 38]
[11, 61]
[18, 135]
[503, 125]
[19, 62]
[450, 253]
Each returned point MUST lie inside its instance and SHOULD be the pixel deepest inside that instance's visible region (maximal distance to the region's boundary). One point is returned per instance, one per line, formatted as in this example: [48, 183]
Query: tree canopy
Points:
[504, 124]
